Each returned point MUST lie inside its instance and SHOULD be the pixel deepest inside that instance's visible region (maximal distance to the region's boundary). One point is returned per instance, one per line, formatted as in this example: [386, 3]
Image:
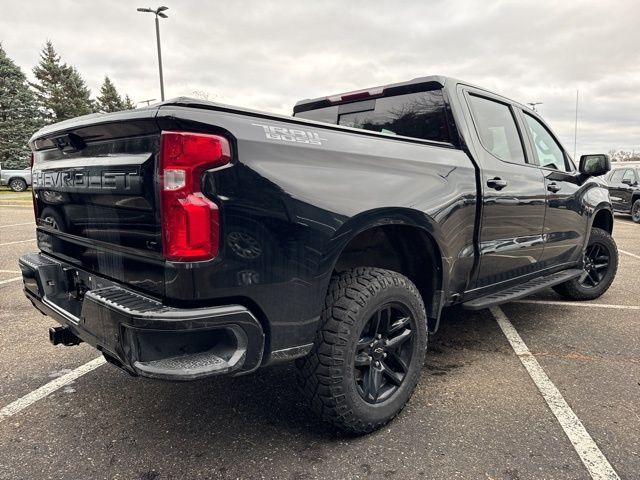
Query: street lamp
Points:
[158, 12]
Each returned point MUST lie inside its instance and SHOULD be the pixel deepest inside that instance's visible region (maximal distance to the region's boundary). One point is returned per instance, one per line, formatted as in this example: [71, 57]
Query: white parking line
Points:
[630, 254]
[17, 225]
[18, 241]
[9, 271]
[579, 304]
[49, 388]
[14, 279]
[596, 463]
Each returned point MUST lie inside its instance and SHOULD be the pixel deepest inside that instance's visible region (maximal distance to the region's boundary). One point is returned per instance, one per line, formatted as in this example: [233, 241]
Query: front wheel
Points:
[369, 350]
[600, 267]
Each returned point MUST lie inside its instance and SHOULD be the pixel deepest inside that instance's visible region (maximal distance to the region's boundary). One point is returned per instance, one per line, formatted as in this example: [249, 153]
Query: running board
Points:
[523, 290]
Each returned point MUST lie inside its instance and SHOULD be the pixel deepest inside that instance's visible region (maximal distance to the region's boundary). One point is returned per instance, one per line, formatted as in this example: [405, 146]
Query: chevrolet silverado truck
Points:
[192, 239]
[16, 179]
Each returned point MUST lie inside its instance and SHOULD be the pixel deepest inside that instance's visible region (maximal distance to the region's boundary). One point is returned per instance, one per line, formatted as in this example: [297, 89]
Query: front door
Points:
[565, 225]
[513, 193]
[616, 189]
[629, 185]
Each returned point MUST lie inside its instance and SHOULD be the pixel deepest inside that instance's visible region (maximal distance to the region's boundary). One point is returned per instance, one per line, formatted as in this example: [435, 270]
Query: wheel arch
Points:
[603, 218]
[403, 240]
[17, 177]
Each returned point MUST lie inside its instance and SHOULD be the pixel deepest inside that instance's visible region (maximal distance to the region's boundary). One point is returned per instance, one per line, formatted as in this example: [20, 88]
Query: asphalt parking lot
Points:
[476, 413]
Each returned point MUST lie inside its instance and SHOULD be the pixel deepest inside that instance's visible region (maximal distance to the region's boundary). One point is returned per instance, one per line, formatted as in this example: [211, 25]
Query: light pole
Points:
[158, 12]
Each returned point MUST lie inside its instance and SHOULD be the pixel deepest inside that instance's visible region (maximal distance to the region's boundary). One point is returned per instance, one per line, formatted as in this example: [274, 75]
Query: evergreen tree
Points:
[77, 93]
[48, 87]
[19, 116]
[61, 91]
[109, 99]
[128, 103]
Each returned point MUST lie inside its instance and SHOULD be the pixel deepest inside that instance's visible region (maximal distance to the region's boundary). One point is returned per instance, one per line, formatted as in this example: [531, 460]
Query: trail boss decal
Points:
[291, 134]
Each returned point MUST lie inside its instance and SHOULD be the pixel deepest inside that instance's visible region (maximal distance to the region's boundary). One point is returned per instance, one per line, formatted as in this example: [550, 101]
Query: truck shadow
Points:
[230, 427]
[269, 400]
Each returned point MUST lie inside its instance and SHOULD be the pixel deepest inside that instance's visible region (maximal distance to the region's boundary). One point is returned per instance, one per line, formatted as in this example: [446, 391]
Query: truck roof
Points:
[415, 85]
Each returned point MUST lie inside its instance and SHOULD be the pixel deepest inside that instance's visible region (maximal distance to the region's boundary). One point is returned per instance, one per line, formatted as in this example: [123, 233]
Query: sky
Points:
[267, 54]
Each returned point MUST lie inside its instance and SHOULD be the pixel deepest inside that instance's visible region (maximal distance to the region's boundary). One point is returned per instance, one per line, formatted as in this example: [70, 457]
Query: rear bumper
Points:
[140, 334]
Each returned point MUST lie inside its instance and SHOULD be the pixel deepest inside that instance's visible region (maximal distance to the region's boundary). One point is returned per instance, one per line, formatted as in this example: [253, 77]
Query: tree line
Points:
[58, 93]
[624, 156]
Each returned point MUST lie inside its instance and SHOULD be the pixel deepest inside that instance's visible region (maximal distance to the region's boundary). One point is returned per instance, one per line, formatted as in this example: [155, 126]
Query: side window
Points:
[628, 175]
[497, 129]
[616, 176]
[550, 154]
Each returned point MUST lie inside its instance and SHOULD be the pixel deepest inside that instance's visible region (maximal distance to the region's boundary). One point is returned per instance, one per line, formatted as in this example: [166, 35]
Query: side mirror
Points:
[595, 165]
[626, 181]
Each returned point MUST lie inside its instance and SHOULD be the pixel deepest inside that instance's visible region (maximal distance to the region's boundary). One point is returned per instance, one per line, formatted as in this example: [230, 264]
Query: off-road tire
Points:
[574, 289]
[326, 374]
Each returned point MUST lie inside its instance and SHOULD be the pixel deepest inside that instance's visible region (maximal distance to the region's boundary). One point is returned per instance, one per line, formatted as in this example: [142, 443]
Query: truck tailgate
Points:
[95, 198]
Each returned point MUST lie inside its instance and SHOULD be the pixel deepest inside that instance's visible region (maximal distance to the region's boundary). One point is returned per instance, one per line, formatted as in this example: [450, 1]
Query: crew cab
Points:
[191, 239]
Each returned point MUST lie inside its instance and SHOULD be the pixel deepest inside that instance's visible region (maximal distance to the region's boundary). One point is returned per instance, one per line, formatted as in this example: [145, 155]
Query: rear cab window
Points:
[496, 127]
[416, 115]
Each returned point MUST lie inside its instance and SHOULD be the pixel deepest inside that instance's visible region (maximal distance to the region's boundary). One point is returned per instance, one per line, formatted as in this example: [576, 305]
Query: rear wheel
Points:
[18, 185]
[600, 266]
[635, 211]
[369, 351]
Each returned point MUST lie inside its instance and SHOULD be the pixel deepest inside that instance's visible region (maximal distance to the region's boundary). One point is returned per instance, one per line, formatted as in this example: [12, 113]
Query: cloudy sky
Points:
[267, 54]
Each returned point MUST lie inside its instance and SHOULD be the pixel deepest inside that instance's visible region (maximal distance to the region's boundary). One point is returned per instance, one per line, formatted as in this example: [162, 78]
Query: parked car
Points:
[192, 239]
[624, 188]
[16, 180]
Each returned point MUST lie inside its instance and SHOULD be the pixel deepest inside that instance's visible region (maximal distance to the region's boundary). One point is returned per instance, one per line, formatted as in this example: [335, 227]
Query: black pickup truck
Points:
[624, 188]
[191, 239]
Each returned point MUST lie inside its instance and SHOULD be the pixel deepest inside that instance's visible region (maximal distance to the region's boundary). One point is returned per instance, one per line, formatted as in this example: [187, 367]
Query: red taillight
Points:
[190, 221]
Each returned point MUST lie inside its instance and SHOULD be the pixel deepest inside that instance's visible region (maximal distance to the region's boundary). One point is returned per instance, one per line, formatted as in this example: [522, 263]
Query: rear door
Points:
[565, 225]
[513, 192]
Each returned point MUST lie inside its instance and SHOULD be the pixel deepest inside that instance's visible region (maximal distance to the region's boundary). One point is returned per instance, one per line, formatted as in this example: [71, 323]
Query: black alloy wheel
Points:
[596, 264]
[600, 264]
[383, 353]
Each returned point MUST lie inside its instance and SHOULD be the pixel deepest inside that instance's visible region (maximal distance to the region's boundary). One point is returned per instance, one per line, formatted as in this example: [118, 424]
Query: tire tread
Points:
[321, 371]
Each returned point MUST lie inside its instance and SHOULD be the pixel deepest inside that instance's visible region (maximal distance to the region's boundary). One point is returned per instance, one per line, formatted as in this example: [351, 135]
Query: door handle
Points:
[496, 183]
[553, 187]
